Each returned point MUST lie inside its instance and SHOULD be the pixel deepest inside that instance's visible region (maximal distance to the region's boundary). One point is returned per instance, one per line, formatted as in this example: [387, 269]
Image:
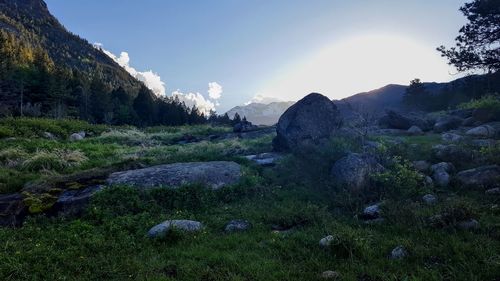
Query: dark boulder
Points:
[74, 202]
[12, 210]
[448, 122]
[310, 121]
[396, 120]
[354, 170]
[484, 115]
[481, 177]
[244, 126]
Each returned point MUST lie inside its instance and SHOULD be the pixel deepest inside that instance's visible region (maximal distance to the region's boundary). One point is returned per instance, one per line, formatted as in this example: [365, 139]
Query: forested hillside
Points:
[47, 71]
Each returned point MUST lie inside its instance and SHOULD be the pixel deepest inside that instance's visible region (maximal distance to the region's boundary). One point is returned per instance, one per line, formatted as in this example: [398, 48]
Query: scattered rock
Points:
[469, 122]
[371, 212]
[398, 121]
[237, 225]
[12, 210]
[493, 191]
[441, 173]
[421, 166]
[244, 126]
[326, 241]
[468, 224]
[447, 123]
[441, 178]
[446, 166]
[451, 137]
[428, 181]
[215, 175]
[312, 120]
[398, 253]
[330, 275]
[354, 170]
[484, 142]
[265, 159]
[429, 199]
[452, 153]
[480, 177]
[76, 137]
[163, 228]
[49, 136]
[484, 131]
[74, 202]
[462, 113]
[415, 131]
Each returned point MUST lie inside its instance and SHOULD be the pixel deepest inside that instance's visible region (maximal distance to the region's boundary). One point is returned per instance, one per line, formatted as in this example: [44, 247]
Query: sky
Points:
[222, 53]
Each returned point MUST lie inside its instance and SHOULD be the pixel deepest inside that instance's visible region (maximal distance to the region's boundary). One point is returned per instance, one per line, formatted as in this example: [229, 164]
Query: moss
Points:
[39, 203]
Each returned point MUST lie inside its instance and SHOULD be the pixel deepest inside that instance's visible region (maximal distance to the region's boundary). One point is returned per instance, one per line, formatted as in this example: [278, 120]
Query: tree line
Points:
[31, 84]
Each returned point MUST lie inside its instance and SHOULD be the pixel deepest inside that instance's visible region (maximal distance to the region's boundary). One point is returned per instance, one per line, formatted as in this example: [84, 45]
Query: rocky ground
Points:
[412, 197]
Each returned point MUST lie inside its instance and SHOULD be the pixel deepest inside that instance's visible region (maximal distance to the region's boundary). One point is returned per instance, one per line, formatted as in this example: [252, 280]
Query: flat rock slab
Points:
[215, 175]
[265, 159]
[74, 202]
[163, 228]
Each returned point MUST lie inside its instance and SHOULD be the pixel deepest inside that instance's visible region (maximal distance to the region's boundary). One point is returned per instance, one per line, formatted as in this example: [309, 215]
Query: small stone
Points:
[429, 199]
[398, 253]
[371, 212]
[451, 137]
[493, 191]
[468, 224]
[415, 130]
[49, 136]
[330, 274]
[326, 241]
[428, 181]
[76, 137]
[237, 225]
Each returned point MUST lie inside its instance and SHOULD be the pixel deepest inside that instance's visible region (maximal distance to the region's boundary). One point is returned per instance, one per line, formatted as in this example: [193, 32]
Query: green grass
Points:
[110, 241]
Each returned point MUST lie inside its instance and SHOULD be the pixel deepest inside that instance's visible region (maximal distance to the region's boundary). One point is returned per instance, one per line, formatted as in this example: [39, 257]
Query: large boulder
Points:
[448, 122]
[12, 210]
[452, 153]
[484, 131]
[215, 175]
[484, 115]
[353, 171]
[481, 177]
[396, 120]
[312, 120]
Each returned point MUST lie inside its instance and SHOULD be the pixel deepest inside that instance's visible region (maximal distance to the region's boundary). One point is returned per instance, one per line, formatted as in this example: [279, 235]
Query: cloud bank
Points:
[151, 79]
[195, 99]
[154, 82]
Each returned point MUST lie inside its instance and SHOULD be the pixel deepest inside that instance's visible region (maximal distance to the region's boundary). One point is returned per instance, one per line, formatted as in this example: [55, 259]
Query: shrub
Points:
[57, 160]
[35, 127]
[399, 180]
[491, 101]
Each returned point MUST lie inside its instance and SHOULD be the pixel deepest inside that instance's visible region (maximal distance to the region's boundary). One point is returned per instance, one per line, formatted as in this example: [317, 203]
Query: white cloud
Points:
[196, 99]
[214, 90]
[260, 98]
[149, 78]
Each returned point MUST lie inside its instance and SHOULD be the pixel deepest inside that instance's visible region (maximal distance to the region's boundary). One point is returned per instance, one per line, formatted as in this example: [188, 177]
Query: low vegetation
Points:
[290, 206]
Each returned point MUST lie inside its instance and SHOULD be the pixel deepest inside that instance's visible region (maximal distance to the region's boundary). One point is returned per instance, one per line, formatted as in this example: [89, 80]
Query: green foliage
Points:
[487, 102]
[399, 180]
[36, 127]
[57, 160]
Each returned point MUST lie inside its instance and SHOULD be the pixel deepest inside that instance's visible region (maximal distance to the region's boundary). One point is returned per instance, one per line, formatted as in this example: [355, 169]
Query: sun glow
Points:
[359, 64]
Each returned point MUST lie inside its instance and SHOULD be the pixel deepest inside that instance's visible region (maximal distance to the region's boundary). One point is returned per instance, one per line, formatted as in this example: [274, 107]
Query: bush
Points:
[57, 160]
[35, 127]
[400, 180]
[488, 101]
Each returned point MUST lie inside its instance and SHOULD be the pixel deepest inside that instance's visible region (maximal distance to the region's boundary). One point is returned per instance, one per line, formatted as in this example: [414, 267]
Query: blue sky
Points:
[264, 47]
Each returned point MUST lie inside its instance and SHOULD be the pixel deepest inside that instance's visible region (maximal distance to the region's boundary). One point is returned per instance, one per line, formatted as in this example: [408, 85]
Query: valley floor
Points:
[290, 206]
